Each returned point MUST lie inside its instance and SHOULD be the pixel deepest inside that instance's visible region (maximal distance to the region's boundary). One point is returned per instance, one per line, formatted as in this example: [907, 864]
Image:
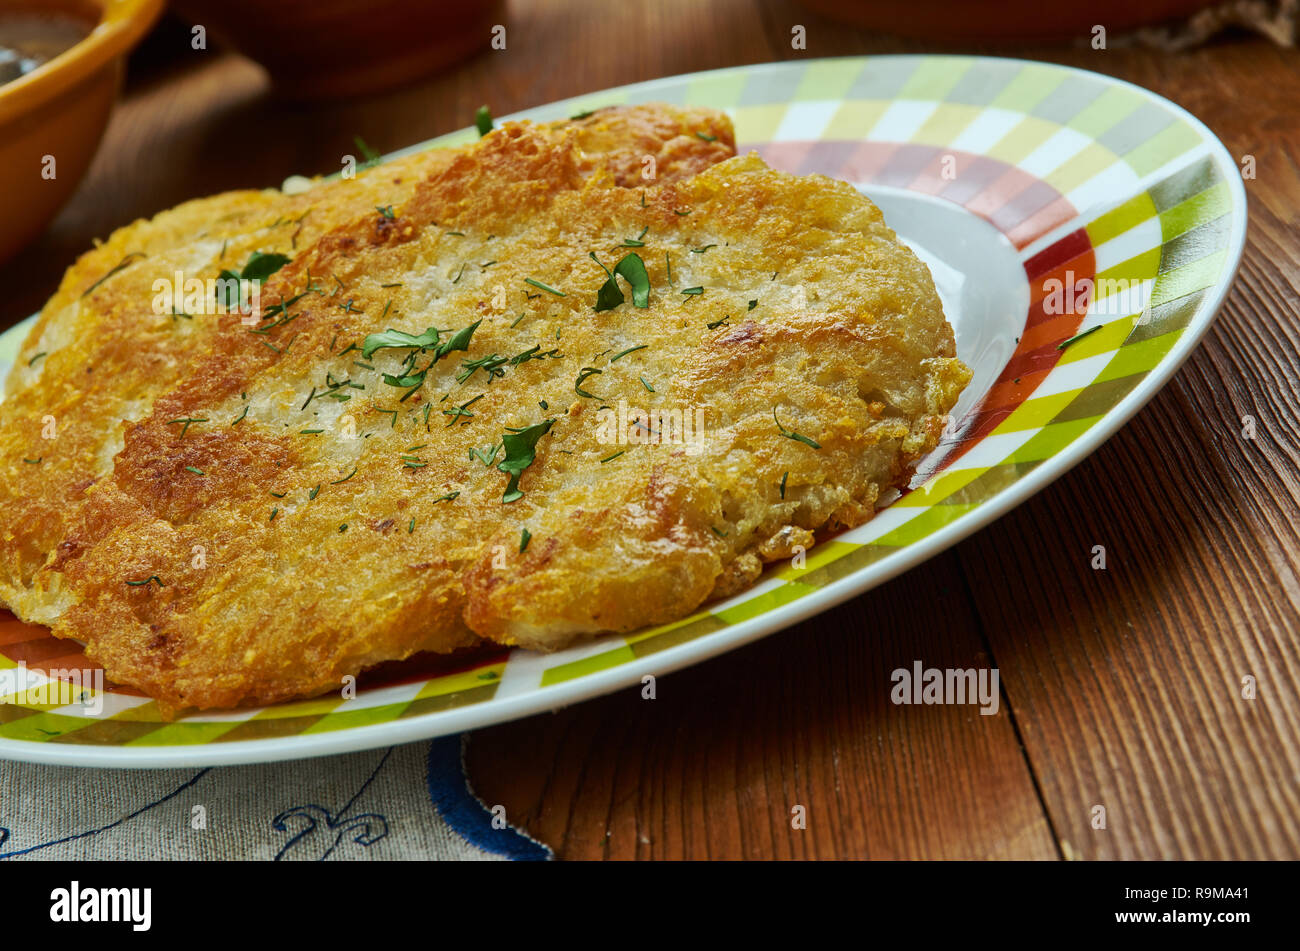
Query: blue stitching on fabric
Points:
[468, 816]
[340, 822]
[81, 835]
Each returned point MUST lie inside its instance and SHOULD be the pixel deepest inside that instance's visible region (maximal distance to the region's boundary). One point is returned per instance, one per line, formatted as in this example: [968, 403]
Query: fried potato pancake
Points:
[99, 355]
[521, 402]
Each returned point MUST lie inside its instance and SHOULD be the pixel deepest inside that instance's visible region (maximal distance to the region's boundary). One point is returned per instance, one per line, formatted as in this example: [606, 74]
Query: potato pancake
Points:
[528, 400]
[99, 354]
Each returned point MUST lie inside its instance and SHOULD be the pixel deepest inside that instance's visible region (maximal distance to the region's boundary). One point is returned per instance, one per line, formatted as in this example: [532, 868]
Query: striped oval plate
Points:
[1082, 232]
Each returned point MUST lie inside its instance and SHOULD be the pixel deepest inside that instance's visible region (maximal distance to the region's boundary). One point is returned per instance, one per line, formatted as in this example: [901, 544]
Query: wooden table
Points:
[1122, 688]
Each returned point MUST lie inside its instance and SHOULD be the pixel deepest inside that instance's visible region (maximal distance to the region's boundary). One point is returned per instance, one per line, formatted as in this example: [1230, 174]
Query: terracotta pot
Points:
[60, 110]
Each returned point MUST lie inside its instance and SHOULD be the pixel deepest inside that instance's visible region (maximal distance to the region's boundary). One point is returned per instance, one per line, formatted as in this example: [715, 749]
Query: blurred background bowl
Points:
[316, 49]
[1011, 21]
[60, 108]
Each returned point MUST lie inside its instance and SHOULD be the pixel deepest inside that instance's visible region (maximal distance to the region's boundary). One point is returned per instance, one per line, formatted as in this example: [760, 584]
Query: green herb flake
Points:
[138, 584]
[521, 449]
[194, 470]
[790, 434]
[577, 386]
[396, 339]
[627, 351]
[1077, 337]
[524, 538]
[632, 269]
[547, 288]
[187, 420]
[125, 262]
[693, 291]
[483, 120]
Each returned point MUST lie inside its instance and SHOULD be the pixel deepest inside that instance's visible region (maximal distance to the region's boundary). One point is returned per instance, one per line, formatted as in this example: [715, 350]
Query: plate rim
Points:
[555, 696]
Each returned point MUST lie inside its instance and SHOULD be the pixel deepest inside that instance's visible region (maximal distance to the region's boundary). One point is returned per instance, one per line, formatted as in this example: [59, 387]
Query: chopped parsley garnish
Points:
[577, 386]
[521, 450]
[187, 420]
[491, 364]
[274, 512]
[37, 357]
[370, 155]
[539, 284]
[627, 351]
[33, 462]
[718, 323]
[314, 492]
[343, 528]
[345, 478]
[636, 242]
[310, 432]
[240, 417]
[258, 268]
[790, 434]
[753, 304]
[398, 339]
[483, 120]
[703, 249]
[460, 341]
[462, 410]
[632, 269]
[138, 584]
[706, 137]
[648, 387]
[1077, 337]
[614, 456]
[386, 211]
[117, 267]
[524, 538]
[449, 497]
[783, 478]
[194, 470]
[485, 456]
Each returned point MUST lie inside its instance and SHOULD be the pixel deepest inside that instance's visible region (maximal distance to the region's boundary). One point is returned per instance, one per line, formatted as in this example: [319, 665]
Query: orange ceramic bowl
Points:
[60, 110]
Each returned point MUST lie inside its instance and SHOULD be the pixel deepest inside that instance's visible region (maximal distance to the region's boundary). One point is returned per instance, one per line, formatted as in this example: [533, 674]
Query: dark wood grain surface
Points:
[1121, 688]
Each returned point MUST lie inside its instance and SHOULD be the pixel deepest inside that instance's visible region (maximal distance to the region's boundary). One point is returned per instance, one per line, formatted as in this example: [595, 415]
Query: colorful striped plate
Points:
[1082, 232]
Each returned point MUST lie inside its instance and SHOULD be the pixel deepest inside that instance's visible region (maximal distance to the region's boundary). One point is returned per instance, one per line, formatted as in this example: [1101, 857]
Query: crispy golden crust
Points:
[107, 354]
[285, 559]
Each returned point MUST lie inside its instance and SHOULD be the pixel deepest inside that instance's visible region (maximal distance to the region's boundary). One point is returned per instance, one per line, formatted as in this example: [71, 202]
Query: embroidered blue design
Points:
[365, 829]
[455, 802]
[104, 828]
